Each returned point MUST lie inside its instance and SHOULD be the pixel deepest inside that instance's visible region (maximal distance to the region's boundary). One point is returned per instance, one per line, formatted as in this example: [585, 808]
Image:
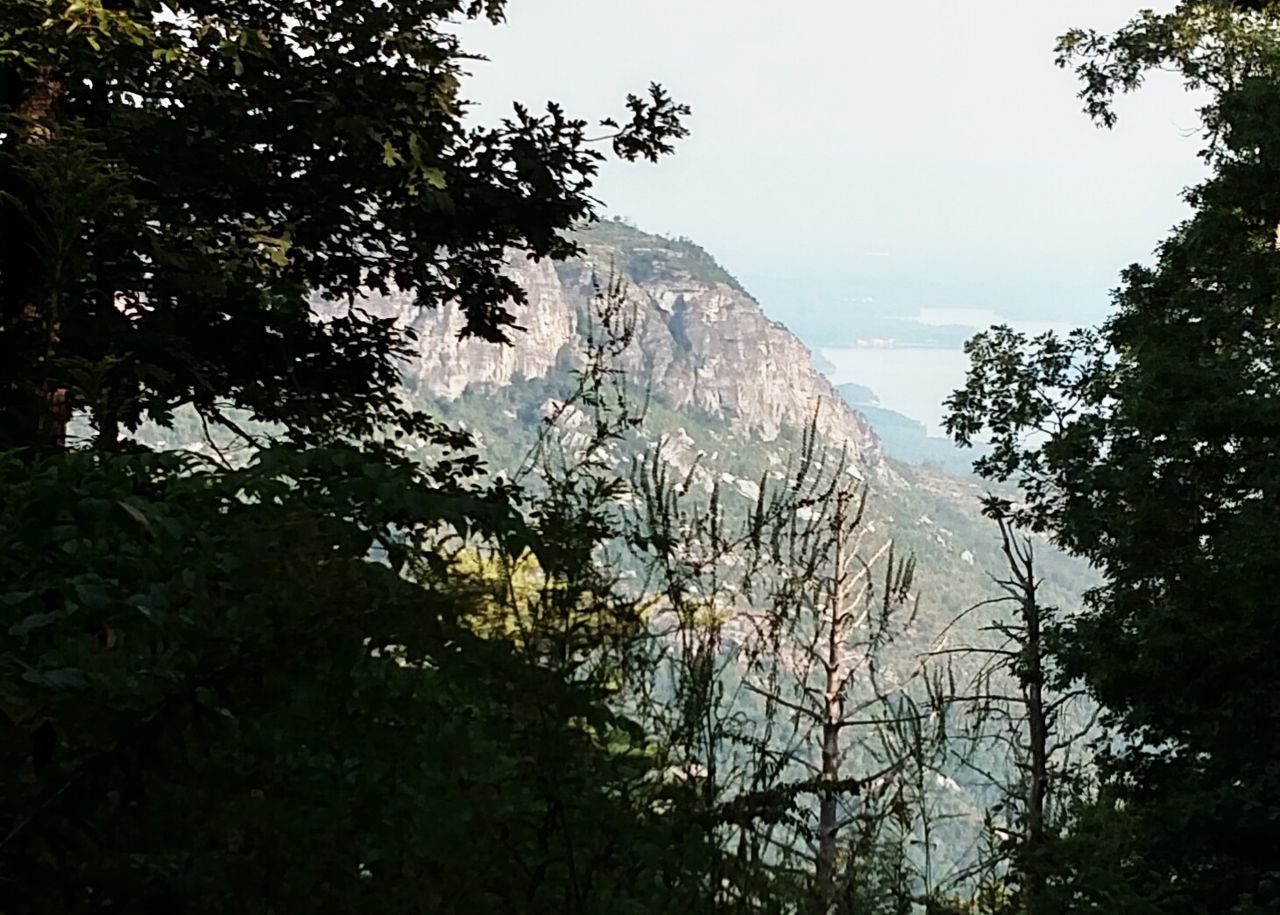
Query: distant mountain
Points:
[703, 346]
[905, 438]
[858, 395]
[728, 390]
[729, 393]
[821, 363]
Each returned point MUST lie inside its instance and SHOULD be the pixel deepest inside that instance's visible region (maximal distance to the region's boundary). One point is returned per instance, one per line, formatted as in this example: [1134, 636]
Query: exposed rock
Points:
[702, 342]
[446, 363]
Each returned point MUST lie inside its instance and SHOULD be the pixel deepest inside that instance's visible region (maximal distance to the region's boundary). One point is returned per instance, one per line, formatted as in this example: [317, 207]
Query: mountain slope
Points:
[729, 394]
[702, 346]
[905, 438]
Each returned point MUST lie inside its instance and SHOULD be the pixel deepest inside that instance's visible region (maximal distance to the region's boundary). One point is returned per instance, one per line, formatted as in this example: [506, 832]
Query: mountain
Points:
[905, 438]
[729, 392]
[703, 346]
[728, 395]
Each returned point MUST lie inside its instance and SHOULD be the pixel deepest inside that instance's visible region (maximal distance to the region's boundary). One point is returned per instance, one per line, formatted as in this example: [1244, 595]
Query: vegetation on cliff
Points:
[655, 662]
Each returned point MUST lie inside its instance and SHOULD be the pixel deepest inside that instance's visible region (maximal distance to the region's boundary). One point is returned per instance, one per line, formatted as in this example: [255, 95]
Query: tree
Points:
[1022, 724]
[823, 666]
[211, 165]
[1149, 447]
[257, 687]
[219, 700]
[798, 728]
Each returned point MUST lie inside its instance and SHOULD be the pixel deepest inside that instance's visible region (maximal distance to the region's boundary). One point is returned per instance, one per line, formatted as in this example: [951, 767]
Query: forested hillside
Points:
[723, 393]
[382, 531]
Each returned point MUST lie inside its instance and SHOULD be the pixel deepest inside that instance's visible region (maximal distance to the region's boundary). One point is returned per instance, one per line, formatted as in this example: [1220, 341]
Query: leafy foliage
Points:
[258, 687]
[217, 700]
[1149, 447]
[210, 166]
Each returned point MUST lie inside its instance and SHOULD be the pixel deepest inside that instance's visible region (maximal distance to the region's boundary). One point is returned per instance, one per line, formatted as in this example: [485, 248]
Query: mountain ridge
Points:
[728, 395]
[702, 342]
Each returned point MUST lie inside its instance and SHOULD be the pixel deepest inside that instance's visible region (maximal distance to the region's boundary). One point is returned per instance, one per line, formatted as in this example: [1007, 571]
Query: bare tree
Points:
[1021, 726]
[793, 600]
[856, 719]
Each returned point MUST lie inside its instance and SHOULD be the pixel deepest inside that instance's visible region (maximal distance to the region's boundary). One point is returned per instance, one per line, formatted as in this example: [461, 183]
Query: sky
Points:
[852, 159]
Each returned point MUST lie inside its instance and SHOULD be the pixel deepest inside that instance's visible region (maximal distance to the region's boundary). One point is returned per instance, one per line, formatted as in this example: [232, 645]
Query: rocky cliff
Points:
[702, 343]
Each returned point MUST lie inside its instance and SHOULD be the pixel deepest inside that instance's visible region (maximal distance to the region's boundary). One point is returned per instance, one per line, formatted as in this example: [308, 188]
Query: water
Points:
[911, 380]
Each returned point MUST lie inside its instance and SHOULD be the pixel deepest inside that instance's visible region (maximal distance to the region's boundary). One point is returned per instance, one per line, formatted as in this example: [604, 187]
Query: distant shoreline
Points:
[911, 379]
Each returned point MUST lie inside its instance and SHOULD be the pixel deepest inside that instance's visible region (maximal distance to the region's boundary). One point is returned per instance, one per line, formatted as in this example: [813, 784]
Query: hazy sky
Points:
[859, 157]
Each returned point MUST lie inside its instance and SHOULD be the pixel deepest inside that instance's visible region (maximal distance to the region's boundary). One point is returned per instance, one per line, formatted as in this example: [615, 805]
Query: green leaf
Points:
[36, 621]
[65, 678]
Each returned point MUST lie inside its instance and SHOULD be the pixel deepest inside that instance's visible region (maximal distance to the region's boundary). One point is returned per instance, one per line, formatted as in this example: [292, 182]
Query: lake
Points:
[911, 380]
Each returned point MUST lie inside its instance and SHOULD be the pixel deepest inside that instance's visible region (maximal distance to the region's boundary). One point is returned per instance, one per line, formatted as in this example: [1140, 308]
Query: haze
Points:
[856, 160]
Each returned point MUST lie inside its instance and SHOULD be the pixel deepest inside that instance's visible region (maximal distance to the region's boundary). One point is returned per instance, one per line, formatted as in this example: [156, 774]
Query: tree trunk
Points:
[1038, 726]
[38, 410]
[832, 716]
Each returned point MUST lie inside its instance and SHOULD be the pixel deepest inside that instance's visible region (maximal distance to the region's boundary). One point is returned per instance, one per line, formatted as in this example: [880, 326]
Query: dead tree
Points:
[1021, 726]
[825, 665]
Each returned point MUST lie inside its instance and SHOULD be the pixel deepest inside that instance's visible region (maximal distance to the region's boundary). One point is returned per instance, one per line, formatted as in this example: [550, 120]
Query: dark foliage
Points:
[1153, 452]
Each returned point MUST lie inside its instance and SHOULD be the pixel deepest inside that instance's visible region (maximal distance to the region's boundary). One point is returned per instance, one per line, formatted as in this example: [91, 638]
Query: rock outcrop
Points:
[700, 340]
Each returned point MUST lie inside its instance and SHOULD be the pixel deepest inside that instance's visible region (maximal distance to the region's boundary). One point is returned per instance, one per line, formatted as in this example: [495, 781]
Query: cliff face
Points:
[701, 342]
[445, 364]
